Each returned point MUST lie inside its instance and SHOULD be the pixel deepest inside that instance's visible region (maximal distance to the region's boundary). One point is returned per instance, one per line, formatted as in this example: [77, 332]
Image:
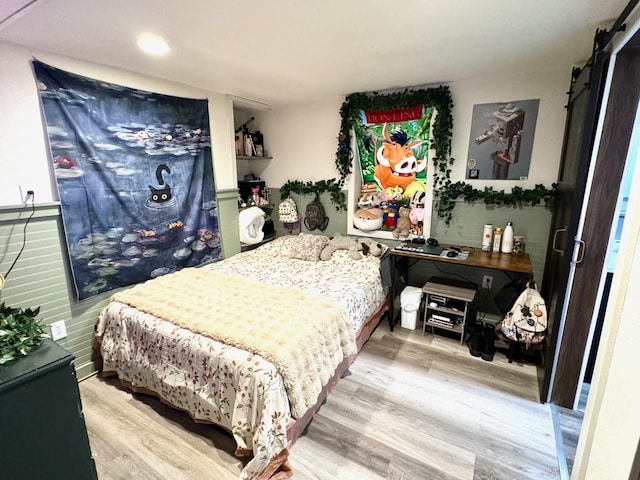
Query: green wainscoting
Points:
[337, 219]
[468, 222]
[466, 229]
[229, 224]
[42, 276]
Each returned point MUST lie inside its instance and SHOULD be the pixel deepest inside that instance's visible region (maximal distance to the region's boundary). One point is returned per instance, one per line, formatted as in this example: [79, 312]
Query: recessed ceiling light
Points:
[153, 44]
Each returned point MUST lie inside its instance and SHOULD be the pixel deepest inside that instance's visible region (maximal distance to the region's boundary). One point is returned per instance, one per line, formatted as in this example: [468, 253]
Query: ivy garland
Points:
[518, 197]
[439, 98]
[332, 186]
[446, 191]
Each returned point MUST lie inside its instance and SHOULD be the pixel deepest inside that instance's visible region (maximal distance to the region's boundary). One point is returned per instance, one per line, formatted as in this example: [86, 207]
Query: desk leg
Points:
[403, 264]
[393, 293]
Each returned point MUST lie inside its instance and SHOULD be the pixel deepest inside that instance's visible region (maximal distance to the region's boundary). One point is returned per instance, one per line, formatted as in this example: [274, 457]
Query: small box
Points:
[258, 143]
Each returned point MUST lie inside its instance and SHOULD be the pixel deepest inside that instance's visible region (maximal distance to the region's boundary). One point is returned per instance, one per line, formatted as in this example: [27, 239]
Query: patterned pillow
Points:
[307, 247]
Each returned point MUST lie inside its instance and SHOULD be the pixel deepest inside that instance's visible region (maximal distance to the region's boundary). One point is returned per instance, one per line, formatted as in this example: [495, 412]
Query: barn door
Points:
[582, 113]
[597, 219]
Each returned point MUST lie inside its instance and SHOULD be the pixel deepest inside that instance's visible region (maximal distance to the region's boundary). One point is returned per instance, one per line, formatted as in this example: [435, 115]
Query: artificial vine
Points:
[331, 186]
[446, 192]
[439, 98]
[518, 197]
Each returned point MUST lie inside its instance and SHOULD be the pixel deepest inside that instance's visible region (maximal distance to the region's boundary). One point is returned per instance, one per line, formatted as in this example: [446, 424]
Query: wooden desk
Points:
[518, 263]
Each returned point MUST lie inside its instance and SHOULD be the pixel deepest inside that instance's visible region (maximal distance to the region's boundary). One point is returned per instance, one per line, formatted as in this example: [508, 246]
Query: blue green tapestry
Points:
[135, 179]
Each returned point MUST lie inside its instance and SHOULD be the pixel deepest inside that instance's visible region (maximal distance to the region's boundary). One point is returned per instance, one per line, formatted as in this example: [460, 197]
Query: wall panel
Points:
[465, 229]
[42, 277]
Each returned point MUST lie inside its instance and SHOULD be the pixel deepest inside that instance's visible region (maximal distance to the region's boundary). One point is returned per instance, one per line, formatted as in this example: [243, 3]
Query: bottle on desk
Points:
[507, 238]
[497, 239]
[487, 236]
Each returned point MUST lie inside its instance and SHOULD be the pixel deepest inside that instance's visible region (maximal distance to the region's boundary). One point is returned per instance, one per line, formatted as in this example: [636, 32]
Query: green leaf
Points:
[20, 332]
[446, 192]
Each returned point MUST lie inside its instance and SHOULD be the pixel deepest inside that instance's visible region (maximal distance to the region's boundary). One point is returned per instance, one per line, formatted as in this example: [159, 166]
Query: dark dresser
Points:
[42, 429]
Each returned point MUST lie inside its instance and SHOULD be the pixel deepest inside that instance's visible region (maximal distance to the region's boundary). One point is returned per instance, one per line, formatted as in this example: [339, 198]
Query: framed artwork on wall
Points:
[501, 140]
[392, 156]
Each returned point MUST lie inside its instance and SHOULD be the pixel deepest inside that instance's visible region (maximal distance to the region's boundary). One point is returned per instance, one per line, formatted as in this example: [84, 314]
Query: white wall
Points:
[301, 139]
[24, 155]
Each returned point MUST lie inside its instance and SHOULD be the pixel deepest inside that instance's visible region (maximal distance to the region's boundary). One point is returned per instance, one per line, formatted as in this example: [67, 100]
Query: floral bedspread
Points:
[237, 390]
[213, 382]
[355, 284]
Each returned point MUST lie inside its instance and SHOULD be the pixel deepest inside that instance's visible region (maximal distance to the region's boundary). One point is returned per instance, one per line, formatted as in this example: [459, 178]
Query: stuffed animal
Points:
[417, 212]
[368, 219]
[370, 247]
[338, 242]
[368, 200]
[403, 224]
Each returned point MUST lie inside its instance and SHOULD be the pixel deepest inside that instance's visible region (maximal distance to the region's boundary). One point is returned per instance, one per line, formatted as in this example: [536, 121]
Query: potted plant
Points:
[20, 332]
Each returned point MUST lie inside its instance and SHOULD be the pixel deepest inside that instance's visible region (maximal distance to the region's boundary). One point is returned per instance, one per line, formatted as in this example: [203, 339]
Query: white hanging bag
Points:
[526, 322]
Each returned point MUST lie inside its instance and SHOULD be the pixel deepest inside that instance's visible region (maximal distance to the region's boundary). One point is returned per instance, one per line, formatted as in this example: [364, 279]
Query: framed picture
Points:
[501, 140]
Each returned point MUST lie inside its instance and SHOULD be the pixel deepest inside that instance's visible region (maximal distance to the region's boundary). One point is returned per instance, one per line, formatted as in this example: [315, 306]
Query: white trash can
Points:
[410, 299]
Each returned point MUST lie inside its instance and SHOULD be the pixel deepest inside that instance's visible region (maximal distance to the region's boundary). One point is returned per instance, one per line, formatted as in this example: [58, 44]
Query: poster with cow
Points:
[393, 147]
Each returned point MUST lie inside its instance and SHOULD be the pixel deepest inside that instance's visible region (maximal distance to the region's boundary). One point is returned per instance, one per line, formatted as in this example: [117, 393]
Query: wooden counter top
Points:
[510, 262]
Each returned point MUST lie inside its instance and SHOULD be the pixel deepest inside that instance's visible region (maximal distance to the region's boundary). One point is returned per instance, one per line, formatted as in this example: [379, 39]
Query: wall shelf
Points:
[253, 157]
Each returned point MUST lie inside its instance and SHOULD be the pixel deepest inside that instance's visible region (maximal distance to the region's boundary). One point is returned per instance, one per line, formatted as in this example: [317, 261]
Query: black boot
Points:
[474, 339]
[488, 348]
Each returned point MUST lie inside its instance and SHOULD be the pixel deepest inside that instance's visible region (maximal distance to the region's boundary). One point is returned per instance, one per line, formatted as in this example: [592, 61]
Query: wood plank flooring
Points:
[412, 407]
[568, 424]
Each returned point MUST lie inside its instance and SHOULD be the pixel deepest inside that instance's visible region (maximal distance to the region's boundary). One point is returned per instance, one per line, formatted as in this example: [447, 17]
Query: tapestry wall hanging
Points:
[501, 140]
[392, 147]
[135, 179]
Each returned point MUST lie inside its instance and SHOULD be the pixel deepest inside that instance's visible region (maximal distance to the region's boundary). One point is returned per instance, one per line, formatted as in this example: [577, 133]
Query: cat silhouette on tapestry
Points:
[162, 194]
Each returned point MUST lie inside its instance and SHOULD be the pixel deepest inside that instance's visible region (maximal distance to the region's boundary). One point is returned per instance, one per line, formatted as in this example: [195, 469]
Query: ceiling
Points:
[289, 51]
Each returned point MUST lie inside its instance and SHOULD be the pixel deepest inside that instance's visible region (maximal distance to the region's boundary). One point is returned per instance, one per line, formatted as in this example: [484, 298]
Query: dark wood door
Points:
[582, 113]
[612, 153]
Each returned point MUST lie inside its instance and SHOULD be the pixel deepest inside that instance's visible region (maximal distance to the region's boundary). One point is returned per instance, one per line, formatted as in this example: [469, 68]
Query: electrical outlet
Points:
[58, 330]
[25, 194]
[487, 282]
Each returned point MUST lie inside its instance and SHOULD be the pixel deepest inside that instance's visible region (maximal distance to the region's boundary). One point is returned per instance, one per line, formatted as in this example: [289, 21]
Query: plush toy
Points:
[389, 222]
[368, 219]
[403, 224]
[417, 212]
[370, 247]
[338, 242]
[368, 200]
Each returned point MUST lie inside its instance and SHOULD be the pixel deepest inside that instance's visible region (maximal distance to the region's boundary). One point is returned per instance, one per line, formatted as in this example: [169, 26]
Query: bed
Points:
[253, 343]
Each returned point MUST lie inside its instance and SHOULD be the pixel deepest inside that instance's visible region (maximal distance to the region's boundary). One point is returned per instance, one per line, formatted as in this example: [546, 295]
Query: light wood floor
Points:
[568, 424]
[412, 407]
